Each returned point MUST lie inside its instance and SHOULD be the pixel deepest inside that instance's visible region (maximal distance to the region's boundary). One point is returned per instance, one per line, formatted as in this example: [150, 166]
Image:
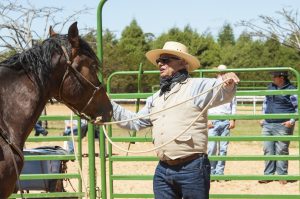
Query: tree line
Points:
[275, 44]
[127, 52]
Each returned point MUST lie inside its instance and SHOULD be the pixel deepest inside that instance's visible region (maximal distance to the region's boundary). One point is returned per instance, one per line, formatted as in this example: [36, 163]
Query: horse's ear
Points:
[73, 35]
[51, 32]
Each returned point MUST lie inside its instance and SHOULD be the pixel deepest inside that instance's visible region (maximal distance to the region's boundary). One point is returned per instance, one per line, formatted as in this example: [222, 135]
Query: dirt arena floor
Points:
[226, 187]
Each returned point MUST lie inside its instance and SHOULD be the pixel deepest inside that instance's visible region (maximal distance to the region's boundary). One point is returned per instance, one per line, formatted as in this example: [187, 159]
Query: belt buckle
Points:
[183, 160]
[173, 162]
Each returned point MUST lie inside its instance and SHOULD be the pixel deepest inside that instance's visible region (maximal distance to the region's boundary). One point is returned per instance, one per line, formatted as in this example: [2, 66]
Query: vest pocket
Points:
[184, 138]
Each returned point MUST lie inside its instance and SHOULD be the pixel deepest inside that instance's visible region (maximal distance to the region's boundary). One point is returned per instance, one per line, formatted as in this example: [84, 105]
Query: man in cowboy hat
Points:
[183, 170]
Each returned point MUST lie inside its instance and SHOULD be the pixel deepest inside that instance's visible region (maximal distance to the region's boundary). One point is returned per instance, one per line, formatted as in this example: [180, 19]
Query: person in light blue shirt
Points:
[278, 127]
[220, 128]
[73, 124]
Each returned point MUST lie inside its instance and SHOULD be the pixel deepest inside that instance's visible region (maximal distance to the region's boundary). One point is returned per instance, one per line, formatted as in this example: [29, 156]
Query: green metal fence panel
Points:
[252, 90]
[54, 139]
[249, 138]
[49, 195]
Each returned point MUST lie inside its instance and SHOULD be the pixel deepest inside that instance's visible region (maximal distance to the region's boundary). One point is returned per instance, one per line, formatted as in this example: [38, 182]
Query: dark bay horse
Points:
[63, 67]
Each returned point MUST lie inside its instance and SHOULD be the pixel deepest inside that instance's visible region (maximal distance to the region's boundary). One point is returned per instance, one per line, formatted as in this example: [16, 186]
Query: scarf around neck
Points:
[166, 83]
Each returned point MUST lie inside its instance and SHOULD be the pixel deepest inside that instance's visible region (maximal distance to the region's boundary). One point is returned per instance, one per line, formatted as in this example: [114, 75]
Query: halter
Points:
[81, 78]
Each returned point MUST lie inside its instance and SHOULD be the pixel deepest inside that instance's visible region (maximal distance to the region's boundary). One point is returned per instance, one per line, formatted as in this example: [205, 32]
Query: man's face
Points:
[169, 64]
[278, 80]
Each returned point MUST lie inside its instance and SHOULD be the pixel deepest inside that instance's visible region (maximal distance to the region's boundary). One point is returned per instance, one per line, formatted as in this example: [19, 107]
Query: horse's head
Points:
[79, 86]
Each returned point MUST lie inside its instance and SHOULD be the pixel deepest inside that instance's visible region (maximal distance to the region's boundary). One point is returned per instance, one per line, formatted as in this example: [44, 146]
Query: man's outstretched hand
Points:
[230, 79]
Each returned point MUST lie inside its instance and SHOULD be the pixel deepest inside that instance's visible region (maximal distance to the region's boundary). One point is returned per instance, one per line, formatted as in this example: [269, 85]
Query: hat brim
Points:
[193, 62]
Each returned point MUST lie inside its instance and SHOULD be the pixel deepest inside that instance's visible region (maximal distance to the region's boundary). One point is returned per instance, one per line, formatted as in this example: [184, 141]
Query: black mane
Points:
[37, 60]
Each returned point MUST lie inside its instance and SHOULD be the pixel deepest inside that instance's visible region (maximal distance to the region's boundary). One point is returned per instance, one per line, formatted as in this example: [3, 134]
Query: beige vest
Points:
[170, 123]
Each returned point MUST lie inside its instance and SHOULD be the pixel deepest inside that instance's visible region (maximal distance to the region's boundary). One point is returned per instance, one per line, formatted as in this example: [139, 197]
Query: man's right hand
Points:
[231, 79]
[210, 125]
[261, 122]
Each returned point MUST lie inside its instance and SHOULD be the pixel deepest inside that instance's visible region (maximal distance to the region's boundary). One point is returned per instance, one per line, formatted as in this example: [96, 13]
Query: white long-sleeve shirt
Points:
[224, 109]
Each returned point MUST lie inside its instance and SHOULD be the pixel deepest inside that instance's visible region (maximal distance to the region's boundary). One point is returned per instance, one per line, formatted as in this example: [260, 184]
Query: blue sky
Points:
[158, 16]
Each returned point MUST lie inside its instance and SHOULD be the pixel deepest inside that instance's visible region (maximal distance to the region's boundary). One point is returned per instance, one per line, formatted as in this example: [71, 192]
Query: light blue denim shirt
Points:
[200, 85]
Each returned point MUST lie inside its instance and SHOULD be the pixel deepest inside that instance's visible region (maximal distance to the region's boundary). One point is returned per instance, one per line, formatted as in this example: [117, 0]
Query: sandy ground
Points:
[228, 187]
[232, 168]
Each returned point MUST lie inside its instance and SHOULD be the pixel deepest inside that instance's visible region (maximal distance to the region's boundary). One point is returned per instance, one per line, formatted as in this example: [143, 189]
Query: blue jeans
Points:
[276, 148]
[221, 128]
[190, 180]
[39, 130]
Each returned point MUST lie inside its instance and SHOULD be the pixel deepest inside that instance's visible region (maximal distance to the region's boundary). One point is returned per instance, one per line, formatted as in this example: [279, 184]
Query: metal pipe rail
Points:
[54, 139]
[140, 95]
[144, 95]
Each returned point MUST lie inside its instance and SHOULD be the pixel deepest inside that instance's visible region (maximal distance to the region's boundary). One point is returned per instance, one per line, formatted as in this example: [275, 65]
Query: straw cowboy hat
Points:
[177, 49]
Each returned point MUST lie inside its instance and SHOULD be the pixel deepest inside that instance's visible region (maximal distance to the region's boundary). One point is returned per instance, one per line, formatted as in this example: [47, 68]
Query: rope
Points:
[178, 135]
[17, 173]
[76, 157]
[12, 147]
[98, 120]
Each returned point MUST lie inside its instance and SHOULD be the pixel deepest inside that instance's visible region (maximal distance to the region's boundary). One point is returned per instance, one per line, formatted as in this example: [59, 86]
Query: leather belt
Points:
[179, 161]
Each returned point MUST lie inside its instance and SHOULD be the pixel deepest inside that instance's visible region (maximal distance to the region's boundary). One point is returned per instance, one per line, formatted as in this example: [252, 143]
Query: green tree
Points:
[208, 51]
[131, 48]
[226, 36]
[133, 45]
[111, 59]
[271, 51]
[247, 54]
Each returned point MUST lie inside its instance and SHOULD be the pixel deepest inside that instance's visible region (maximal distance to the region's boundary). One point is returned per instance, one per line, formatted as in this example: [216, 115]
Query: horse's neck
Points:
[20, 105]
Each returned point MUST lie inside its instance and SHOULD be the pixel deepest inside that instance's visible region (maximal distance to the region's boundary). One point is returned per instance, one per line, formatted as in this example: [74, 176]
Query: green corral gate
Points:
[55, 141]
[113, 159]
[242, 91]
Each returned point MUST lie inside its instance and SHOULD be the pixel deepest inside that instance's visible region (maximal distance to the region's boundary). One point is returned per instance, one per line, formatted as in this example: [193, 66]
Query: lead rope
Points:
[18, 174]
[76, 157]
[11, 147]
[98, 120]
[178, 135]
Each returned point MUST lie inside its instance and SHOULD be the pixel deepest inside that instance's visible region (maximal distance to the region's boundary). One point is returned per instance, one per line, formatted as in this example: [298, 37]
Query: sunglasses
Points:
[166, 60]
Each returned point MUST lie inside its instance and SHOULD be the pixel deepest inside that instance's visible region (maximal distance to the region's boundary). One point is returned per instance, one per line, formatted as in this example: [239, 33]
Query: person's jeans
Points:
[221, 128]
[276, 148]
[39, 130]
[70, 145]
[190, 180]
